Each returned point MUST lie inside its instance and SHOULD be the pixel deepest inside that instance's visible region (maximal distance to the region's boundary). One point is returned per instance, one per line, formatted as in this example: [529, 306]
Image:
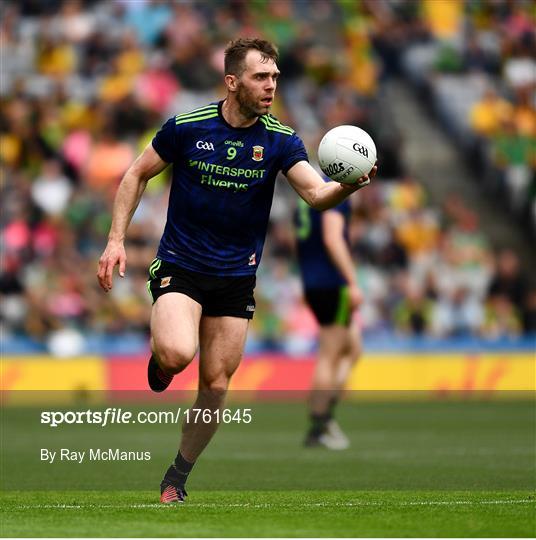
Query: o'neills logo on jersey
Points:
[258, 153]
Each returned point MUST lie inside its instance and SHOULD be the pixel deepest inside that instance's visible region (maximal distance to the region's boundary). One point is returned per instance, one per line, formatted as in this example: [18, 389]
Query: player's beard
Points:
[248, 105]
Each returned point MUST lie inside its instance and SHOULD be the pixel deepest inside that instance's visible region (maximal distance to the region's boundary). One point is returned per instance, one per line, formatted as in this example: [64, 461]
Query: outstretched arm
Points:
[319, 194]
[131, 188]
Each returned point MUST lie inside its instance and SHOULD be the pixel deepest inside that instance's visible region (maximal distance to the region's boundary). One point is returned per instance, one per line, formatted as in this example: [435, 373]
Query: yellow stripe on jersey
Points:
[275, 122]
[274, 127]
[197, 114]
[196, 118]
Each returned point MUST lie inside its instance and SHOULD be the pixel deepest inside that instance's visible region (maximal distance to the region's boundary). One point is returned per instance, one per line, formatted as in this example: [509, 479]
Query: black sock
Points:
[331, 407]
[177, 474]
[183, 467]
[318, 424]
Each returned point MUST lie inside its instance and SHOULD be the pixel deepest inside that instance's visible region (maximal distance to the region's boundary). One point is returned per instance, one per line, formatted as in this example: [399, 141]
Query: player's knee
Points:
[216, 388]
[212, 394]
[174, 359]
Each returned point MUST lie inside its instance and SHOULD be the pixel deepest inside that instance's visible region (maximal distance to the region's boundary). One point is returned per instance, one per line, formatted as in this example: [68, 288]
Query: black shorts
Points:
[219, 296]
[330, 306]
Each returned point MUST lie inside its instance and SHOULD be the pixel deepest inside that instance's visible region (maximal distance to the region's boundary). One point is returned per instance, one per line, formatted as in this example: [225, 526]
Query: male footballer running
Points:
[225, 160]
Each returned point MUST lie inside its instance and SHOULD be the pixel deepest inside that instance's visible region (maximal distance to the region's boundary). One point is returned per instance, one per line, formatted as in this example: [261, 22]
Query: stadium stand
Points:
[479, 76]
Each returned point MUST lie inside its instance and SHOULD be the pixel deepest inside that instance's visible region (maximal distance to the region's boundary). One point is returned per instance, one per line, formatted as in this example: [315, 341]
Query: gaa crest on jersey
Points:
[258, 153]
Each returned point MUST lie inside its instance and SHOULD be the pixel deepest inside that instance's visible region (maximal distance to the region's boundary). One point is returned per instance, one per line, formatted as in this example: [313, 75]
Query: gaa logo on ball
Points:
[361, 149]
[346, 153]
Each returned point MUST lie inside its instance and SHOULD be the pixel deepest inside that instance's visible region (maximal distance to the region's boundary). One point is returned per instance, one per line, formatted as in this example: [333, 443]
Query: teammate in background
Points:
[225, 160]
[331, 290]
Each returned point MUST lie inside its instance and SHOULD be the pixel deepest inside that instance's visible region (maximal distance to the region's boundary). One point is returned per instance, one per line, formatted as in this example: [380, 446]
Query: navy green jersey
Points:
[316, 267]
[222, 188]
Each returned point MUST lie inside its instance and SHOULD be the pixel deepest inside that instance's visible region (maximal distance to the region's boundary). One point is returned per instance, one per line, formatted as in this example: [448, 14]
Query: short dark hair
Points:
[236, 52]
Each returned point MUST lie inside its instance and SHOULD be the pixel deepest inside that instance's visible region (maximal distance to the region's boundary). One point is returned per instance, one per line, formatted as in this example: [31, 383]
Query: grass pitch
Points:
[456, 469]
[272, 513]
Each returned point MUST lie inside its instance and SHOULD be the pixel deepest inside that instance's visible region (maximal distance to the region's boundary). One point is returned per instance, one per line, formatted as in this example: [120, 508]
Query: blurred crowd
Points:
[85, 85]
[479, 74]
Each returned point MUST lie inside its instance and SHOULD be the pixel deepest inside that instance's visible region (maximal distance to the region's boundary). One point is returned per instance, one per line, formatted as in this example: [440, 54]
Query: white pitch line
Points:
[272, 505]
